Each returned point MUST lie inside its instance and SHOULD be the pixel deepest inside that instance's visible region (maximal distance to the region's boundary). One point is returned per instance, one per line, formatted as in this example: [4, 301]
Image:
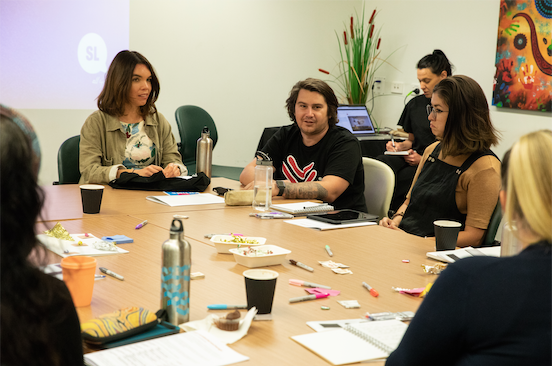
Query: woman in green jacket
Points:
[127, 134]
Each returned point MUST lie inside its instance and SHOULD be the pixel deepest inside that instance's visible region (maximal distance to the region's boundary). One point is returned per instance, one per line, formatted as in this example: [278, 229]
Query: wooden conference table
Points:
[373, 253]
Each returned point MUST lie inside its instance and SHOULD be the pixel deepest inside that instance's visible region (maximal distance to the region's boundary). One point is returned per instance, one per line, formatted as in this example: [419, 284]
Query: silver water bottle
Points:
[204, 153]
[175, 275]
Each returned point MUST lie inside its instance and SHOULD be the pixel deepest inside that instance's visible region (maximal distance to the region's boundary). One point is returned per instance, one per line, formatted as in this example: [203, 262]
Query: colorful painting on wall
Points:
[523, 78]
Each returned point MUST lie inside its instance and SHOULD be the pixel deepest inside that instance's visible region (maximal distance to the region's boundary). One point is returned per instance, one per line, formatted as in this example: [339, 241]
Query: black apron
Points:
[433, 196]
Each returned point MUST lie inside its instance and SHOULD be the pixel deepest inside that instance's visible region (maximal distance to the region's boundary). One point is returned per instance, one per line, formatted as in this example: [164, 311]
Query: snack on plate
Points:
[252, 252]
[240, 239]
[435, 269]
[59, 232]
[230, 322]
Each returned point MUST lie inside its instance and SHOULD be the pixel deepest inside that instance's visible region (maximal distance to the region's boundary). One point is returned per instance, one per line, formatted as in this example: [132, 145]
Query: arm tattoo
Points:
[312, 190]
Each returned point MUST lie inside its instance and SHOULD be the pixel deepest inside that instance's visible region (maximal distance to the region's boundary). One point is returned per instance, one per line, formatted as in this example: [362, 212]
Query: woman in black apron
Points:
[459, 118]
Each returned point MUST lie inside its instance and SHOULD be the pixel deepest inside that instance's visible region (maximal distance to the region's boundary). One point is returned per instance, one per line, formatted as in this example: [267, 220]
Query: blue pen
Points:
[225, 307]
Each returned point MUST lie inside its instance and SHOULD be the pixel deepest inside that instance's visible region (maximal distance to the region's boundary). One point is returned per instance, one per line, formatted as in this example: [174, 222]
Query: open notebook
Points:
[371, 340]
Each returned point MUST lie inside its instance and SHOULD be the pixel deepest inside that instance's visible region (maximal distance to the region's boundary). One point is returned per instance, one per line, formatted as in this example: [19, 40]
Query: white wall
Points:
[238, 59]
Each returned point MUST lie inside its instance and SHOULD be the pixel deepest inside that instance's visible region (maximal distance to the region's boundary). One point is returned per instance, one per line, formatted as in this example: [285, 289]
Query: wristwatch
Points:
[281, 186]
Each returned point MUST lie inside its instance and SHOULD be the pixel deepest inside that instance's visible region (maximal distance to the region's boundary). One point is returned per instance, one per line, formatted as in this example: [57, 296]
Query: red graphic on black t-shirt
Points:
[294, 174]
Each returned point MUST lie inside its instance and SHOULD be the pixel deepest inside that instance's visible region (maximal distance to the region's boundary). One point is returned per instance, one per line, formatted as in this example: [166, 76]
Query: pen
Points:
[372, 290]
[329, 251]
[98, 277]
[393, 142]
[307, 284]
[308, 297]
[301, 265]
[225, 307]
[111, 273]
[142, 224]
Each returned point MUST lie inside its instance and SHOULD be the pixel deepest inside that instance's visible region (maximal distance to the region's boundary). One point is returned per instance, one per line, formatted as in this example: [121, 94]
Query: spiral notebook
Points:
[371, 340]
[302, 208]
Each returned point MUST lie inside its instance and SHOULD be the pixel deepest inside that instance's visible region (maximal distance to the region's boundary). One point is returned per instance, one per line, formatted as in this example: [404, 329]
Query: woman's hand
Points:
[171, 170]
[413, 158]
[148, 171]
[387, 222]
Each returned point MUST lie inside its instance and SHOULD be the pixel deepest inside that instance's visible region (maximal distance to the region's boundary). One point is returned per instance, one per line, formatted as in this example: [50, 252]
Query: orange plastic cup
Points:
[79, 275]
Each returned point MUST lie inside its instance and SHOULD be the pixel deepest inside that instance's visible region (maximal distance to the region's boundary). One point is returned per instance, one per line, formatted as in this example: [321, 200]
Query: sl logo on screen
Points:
[92, 54]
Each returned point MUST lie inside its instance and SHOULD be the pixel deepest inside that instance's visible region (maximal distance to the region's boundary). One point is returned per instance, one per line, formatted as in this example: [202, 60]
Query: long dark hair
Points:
[437, 62]
[469, 127]
[114, 95]
[314, 85]
[25, 322]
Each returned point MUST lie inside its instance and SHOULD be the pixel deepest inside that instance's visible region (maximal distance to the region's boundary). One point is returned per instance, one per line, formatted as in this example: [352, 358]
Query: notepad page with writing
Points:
[355, 343]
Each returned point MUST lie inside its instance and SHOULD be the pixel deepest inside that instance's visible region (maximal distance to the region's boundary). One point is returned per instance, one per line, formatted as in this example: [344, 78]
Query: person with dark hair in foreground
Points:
[431, 69]
[459, 176]
[39, 324]
[496, 311]
[127, 134]
[313, 158]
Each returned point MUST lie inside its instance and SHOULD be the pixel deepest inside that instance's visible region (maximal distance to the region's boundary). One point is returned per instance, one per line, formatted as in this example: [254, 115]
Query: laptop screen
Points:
[356, 119]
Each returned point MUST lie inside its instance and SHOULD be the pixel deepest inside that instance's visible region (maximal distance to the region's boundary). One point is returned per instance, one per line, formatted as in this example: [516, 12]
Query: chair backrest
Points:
[68, 161]
[379, 183]
[190, 121]
[267, 134]
[494, 224]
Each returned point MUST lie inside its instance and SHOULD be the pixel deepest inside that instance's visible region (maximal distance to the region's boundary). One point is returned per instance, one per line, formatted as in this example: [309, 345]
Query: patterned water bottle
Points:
[262, 187]
[175, 275]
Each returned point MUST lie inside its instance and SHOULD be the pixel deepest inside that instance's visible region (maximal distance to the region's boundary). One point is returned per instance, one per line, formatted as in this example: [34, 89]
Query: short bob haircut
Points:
[314, 85]
[528, 185]
[115, 93]
[469, 127]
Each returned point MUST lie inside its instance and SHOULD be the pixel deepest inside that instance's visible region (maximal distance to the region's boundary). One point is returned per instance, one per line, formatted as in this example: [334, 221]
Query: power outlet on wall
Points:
[379, 85]
[397, 87]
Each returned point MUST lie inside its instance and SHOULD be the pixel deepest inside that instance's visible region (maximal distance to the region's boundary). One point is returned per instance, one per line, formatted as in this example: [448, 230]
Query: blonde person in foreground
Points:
[127, 134]
[496, 311]
[459, 176]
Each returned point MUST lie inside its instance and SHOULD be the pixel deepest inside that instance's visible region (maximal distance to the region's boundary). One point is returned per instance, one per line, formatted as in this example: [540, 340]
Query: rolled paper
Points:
[59, 232]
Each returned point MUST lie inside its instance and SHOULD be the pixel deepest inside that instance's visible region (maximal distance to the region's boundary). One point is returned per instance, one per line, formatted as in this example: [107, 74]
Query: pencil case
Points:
[118, 325]
[239, 198]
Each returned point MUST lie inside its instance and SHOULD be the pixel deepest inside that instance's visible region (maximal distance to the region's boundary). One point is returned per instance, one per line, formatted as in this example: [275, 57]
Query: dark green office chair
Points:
[190, 121]
[494, 224]
[68, 161]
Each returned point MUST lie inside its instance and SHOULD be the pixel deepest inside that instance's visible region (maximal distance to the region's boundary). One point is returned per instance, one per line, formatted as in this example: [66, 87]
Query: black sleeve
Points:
[343, 159]
[406, 121]
[435, 335]
[66, 327]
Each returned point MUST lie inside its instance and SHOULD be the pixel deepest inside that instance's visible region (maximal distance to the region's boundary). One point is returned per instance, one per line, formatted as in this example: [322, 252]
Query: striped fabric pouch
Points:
[118, 325]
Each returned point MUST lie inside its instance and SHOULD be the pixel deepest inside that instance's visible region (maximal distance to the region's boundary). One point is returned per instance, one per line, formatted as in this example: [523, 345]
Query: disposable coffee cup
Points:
[260, 285]
[79, 275]
[446, 234]
[91, 195]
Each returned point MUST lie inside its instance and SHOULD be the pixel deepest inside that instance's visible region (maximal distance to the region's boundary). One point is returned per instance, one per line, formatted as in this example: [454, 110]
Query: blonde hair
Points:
[529, 185]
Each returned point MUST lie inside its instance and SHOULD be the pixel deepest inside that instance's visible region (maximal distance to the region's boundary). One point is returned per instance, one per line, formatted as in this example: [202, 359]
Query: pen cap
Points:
[175, 275]
[78, 275]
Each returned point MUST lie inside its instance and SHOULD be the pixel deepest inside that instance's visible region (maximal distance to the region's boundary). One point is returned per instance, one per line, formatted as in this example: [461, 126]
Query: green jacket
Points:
[102, 145]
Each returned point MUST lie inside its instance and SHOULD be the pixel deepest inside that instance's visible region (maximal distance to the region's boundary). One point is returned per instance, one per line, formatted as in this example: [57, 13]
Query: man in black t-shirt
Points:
[313, 158]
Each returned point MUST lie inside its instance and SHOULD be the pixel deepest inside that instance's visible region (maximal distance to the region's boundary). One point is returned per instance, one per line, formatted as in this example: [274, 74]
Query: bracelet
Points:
[397, 215]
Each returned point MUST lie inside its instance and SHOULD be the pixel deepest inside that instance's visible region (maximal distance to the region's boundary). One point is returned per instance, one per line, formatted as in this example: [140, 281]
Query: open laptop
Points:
[356, 119]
